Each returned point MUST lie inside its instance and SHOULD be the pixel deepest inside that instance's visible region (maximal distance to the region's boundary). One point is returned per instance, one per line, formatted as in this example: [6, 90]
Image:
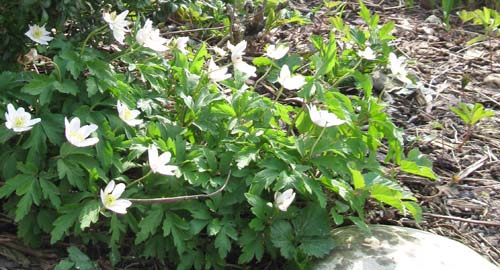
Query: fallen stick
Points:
[482, 222]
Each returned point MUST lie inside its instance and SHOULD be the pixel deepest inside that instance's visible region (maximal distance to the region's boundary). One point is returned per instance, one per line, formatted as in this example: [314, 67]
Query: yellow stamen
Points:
[19, 122]
[109, 200]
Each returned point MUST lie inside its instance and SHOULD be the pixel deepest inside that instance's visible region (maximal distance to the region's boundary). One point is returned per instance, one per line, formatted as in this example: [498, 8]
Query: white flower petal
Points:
[109, 187]
[120, 206]
[118, 190]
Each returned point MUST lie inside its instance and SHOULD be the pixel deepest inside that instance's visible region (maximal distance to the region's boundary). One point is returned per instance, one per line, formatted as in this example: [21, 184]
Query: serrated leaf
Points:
[116, 228]
[312, 231]
[92, 86]
[23, 206]
[89, 214]
[251, 245]
[414, 168]
[39, 85]
[53, 126]
[15, 183]
[72, 171]
[282, 238]
[62, 224]
[178, 228]
[245, 156]
[64, 265]
[82, 261]
[67, 87]
[357, 179]
[148, 225]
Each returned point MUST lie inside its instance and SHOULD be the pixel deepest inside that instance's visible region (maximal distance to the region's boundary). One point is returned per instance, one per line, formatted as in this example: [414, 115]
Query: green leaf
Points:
[116, 228]
[251, 245]
[262, 61]
[148, 225]
[17, 182]
[89, 214]
[312, 231]
[246, 155]
[414, 209]
[73, 62]
[282, 238]
[72, 171]
[67, 87]
[259, 205]
[62, 224]
[82, 261]
[64, 265]
[53, 126]
[178, 228]
[384, 32]
[23, 207]
[39, 85]
[92, 86]
[222, 241]
[357, 179]
[413, 168]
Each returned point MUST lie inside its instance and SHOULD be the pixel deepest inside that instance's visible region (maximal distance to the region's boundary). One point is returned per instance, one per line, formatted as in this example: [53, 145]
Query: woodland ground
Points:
[464, 207]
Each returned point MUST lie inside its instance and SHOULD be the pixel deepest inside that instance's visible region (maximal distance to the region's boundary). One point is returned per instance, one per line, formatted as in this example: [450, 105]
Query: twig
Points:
[482, 222]
[182, 198]
[29, 251]
[464, 173]
[195, 30]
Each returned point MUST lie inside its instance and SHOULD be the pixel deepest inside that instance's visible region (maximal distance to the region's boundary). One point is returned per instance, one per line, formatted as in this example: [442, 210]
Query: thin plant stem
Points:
[468, 132]
[316, 142]
[183, 198]
[292, 126]
[58, 69]
[279, 94]
[128, 51]
[139, 179]
[93, 33]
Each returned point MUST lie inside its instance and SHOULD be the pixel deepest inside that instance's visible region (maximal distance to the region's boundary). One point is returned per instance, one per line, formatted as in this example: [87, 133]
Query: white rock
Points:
[398, 248]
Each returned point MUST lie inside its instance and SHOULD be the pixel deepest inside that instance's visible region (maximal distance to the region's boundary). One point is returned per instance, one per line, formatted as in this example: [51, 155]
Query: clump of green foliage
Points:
[215, 130]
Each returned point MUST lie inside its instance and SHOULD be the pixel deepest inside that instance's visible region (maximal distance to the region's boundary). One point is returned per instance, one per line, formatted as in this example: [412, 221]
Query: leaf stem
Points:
[279, 94]
[93, 33]
[139, 179]
[316, 142]
[182, 198]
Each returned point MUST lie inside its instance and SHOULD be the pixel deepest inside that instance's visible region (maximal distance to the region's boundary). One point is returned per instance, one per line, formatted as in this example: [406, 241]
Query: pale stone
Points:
[398, 248]
[492, 80]
[433, 19]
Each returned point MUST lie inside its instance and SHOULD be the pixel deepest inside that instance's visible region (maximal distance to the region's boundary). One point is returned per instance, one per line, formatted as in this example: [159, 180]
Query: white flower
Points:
[158, 163]
[39, 34]
[367, 54]
[110, 198]
[249, 70]
[219, 51]
[283, 200]
[117, 24]
[277, 52]
[398, 68]
[19, 120]
[288, 81]
[150, 38]
[127, 115]
[216, 73]
[323, 118]
[237, 51]
[77, 135]
[181, 43]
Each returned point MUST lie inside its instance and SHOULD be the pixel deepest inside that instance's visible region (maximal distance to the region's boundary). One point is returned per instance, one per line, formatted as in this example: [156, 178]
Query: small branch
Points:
[196, 30]
[182, 198]
[487, 223]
